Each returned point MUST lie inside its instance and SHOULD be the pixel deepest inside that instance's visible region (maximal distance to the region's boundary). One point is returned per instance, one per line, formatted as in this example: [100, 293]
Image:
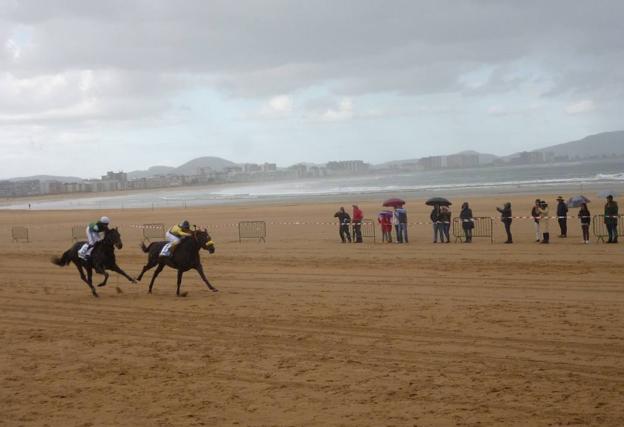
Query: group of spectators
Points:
[441, 219]
[541, 218]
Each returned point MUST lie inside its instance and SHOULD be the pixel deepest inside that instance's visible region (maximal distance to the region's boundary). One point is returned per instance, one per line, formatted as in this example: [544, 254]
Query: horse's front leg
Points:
[118, 270]
[156, 273]
[200, 270]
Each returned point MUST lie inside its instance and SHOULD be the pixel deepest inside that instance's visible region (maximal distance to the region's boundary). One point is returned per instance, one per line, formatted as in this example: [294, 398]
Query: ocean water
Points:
[538, 178]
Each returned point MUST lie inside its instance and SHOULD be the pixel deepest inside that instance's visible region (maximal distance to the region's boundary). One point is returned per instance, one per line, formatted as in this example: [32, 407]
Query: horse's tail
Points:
[63, 260]
[144, 248]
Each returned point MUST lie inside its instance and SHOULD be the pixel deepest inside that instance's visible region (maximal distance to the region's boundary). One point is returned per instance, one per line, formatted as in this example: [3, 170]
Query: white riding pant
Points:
[92, 238]
[173, 240]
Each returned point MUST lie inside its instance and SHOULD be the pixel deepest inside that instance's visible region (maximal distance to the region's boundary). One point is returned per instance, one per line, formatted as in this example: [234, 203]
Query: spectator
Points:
[611, 219]
[445, 224]
[435, 220]
[385, 221]
[545, 222]
[467, 221]
[536, 218]
[402, 231]
[395, 223]
[358, 216]
[585, 218]
[506, 218]
[343, 225]
[562, 216]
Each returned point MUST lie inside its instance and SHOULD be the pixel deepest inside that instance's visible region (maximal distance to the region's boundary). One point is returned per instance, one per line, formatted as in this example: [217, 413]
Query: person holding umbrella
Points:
[611, 219]
[401, 229]
[506, 219]
[436, 220]
[562, 216]
[585, 218]
[344, 219]
[385, 221]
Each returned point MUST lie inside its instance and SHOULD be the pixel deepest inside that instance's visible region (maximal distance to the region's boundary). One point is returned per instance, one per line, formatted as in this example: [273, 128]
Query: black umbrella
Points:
[438, 201]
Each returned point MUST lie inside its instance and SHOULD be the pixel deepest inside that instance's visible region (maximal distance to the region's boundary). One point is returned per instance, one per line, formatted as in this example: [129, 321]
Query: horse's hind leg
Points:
[200, 270]
[156, 273]
[180, 273]
[150, 264]
[81, 271]
[90, 281]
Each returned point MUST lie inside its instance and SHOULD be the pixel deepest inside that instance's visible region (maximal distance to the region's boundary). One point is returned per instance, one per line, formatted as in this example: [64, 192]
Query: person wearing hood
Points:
[506, 218]
[611, 219]
[544, 221]
[344, 219]
[562, 216]
[467, 221]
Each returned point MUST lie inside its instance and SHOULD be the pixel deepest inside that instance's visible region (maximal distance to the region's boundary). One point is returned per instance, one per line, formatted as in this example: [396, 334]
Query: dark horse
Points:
[102, 258]
[184, 258]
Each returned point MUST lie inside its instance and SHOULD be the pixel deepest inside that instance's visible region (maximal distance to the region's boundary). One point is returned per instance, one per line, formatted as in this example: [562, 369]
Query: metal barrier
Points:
[19, 233]
[154, 231]
[368, 230]
[78, 232]
[600, 229]
[252, 230]
[483, 227]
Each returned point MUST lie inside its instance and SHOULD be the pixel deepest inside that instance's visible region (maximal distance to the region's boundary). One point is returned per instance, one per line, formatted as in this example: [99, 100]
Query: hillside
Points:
[602, 144]
[191, 167]
[152, 171]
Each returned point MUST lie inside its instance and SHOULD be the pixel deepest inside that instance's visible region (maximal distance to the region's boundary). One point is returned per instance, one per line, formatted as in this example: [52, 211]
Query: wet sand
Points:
[307, 331]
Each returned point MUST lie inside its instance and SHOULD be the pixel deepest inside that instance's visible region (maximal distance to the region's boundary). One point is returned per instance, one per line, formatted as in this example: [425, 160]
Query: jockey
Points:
[95, 232]
[174, 236]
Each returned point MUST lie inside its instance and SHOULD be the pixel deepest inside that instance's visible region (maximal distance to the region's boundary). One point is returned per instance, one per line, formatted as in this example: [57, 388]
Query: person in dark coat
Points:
[585, 218]
[467, 221]
[506, 219]
[435, 220]
[401, 216]
[344, 219]
[611, 219]
[445, 224]
[562, 216]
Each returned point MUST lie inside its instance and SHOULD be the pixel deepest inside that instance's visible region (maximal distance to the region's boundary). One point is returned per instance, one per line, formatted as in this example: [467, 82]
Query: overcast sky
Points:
[88, 86]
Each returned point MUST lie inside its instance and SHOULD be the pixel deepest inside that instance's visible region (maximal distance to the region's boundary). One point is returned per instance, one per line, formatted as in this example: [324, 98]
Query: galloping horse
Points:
[184, 258]
[102, 258]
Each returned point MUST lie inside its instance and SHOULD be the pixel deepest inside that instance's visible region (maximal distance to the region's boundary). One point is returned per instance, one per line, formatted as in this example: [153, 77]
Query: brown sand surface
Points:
[307, 331]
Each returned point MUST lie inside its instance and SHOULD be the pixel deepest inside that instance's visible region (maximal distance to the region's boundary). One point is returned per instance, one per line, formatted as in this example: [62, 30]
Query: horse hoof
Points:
[101, 284]
[215, 290]
[95, 295]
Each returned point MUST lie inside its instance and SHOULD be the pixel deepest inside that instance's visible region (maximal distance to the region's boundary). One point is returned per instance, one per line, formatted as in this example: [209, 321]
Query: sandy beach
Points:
[307, 331]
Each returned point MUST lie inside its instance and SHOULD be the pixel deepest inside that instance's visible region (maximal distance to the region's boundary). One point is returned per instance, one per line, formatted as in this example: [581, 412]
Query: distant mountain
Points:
[601, 144]
[47, 178]
[152, 171]
[191, 167]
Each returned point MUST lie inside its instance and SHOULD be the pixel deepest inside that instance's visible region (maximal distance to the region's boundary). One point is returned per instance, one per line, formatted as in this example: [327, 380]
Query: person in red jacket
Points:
[356, 220]
[385, 220]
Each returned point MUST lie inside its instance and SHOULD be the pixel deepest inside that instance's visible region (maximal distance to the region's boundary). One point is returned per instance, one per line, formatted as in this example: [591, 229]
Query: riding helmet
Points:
[105, 220]
[185, 224]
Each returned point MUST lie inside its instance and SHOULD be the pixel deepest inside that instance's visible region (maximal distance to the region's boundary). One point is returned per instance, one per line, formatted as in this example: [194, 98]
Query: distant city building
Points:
[432, 163]
[269, 167]
[462, 160]
[351, 166]
[251, 168]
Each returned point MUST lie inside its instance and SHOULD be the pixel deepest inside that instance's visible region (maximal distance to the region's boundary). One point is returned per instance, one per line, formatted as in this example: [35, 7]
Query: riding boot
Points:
[546, 238]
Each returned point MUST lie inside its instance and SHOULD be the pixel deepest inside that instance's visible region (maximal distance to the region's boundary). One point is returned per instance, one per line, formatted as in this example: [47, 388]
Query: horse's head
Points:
[204, 240]
[113, 238]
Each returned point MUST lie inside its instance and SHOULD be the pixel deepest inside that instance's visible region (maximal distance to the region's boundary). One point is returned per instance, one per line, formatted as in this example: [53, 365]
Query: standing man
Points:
[401, 214]
[343, 225]
[536, 219]
[506, 219]
[358, 216]
[562, 216]
[611, 219]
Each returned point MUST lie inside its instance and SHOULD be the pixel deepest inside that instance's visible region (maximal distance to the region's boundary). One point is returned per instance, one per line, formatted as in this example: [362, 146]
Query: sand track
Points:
[310, 332]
